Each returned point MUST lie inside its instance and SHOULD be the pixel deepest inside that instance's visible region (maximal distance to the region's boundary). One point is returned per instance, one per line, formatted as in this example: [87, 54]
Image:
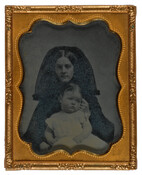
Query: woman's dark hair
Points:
[47, 80]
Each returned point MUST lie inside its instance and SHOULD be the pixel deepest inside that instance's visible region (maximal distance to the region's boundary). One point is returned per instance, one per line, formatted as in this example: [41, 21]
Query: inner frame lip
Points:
[81, 25]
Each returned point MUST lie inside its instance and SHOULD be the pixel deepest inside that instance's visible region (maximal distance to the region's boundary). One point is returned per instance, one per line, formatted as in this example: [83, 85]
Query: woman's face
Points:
[64, 69]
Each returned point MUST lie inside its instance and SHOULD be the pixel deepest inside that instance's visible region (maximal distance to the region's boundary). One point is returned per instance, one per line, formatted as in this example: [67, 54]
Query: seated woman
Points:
[60, 66]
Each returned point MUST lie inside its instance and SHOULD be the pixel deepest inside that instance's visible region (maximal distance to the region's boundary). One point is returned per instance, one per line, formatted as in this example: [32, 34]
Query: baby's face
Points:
[71, 101]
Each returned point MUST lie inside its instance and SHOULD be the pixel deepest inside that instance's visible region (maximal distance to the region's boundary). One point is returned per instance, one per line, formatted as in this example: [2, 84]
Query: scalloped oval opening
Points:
[97, 50]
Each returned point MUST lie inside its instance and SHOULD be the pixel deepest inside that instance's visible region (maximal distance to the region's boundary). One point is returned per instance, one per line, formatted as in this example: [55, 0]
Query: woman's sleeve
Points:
[101, 126]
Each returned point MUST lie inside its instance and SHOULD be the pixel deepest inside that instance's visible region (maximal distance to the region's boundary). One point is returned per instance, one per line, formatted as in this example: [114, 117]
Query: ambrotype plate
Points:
[70, 87]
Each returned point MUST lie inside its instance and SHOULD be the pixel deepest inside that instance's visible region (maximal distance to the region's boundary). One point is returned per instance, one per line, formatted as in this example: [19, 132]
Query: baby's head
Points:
[71, 98]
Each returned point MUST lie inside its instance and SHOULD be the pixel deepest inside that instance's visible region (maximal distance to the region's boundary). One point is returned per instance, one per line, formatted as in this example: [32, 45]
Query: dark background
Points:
[101, 46]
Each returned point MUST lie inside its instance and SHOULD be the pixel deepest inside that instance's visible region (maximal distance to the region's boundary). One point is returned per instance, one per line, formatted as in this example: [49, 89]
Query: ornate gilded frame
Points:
[118, 158]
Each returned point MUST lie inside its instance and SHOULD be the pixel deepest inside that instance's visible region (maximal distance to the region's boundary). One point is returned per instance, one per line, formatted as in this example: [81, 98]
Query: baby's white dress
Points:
[66, 126]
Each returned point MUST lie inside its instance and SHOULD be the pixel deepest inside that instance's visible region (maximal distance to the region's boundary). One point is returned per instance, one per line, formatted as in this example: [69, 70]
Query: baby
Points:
[71, 126]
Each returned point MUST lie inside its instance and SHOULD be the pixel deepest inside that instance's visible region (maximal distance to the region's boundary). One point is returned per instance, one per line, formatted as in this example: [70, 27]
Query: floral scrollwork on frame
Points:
[21, 8]
[8, 18]
[71, 166]
[118, 8]
[8, 87]
[8, 160]
[132, 13]
[133, 157]
[132, 88]
[68, 9]
[120, 167]
[23, 166]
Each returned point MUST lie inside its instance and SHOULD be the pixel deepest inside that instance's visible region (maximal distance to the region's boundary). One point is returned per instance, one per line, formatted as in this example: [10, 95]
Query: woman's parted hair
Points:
[48, 84]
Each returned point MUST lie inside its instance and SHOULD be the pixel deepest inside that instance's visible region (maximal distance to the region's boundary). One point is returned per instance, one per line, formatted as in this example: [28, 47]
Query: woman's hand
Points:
[85, 108]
